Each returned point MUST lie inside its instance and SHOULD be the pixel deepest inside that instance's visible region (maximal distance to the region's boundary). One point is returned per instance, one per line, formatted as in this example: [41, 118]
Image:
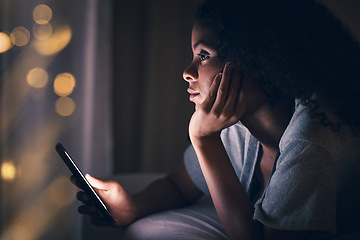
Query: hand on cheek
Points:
[223, 106]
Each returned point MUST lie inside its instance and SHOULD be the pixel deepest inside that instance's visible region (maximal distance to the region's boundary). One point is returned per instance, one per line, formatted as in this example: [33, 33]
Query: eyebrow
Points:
[197, 44]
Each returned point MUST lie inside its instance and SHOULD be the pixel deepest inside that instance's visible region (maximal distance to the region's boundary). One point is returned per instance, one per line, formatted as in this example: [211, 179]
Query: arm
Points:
[173, 191]
[224, 106]
[231, 202]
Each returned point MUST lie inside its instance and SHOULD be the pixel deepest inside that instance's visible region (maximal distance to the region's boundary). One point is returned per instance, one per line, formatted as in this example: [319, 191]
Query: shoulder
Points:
[310, 150]
[305, 130]
[239, 142]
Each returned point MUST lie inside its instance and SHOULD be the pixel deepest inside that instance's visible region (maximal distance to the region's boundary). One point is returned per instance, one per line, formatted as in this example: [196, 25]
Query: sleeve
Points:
[239, 144]
[302, 192]
[194, 170]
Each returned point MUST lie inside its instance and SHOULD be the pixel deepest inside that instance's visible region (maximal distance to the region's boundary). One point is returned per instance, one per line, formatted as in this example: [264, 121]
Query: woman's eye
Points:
[203, 56]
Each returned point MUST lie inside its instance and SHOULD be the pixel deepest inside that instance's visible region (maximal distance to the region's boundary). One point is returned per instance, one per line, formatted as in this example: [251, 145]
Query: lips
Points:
[193, 93]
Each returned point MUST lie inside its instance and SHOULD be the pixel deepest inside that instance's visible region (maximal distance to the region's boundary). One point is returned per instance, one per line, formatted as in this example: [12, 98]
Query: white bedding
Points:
[198, 221]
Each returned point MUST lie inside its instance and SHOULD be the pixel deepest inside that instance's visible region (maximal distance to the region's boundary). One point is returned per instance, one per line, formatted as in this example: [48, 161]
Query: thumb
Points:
[96, 183]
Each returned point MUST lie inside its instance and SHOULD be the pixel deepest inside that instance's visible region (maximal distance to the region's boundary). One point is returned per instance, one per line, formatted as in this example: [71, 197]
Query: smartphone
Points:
[83, 182]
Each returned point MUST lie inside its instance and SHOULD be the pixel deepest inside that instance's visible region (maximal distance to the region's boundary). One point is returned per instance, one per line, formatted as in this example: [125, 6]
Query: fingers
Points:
[209, 100]
[83, 197]
[74, 181]
[230, 100]
[90, 209]
[96, 218]
[228, 91]
[223, 89]
[96, 183]
[232, 104]
[218, 91]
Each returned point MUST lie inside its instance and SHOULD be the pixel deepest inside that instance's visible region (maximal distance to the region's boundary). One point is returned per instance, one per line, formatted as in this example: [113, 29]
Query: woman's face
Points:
[205, 64]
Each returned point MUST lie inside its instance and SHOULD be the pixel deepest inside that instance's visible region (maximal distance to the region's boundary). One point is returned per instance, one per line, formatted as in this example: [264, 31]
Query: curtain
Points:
[55, 87]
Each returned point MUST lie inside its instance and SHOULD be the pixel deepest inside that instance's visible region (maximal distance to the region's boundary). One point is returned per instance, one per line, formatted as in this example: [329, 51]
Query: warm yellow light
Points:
[37, 77]
[61, 193]
[5, 42]
[65, 106]
[42, 14]
[57, 42]
[64, 84]
[20, 36]
[8, 171]
[22, 231]
[42, 31]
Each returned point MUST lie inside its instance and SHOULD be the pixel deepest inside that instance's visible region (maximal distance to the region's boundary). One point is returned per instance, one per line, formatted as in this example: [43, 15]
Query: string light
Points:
[65, 106]
[48, 205]
[8, 171]
[5, 42]
[42, 14]
[64, 84]
[37, 77]
[42, 31]
[20, 36]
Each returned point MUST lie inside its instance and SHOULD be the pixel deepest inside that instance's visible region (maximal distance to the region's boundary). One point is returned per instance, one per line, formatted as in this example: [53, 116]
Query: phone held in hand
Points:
[84, 183]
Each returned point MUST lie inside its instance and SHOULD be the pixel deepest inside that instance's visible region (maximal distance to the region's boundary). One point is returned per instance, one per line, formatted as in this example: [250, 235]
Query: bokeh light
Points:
[54, 44]
[65, 106]
[60, 192]
[20, 36]
[42, 31]
[8, 171]
[42, 14]
[34, 198]
[5, 42]
[37, 77]
[64, 84]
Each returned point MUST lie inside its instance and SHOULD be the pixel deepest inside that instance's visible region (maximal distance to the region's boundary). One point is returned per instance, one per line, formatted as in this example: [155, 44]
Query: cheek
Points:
[209, 76]
[205, 83]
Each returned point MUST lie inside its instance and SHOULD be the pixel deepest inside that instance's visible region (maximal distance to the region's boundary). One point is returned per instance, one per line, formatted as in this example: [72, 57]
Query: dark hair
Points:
[297, 48]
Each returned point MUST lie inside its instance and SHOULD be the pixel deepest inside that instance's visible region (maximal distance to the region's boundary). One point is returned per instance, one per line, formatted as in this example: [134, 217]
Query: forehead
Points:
[202, 34]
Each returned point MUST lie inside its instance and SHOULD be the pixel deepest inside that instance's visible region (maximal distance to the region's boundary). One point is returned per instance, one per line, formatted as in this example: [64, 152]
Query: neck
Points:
[268, 123]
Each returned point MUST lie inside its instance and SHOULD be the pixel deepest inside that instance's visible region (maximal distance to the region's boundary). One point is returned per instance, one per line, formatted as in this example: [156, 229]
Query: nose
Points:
[190, 74]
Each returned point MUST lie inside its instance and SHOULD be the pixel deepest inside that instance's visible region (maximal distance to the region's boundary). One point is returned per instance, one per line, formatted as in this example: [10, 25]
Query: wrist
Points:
[201, 141]
[139, 208]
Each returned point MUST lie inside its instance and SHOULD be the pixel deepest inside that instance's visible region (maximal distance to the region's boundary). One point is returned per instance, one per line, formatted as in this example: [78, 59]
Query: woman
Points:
[274, 129]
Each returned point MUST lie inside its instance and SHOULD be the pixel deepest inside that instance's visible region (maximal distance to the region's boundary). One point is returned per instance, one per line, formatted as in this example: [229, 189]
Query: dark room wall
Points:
[151, 106]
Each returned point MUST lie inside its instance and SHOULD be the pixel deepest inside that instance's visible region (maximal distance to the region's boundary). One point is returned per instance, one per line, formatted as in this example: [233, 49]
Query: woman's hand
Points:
[224, 105]
[116, 199]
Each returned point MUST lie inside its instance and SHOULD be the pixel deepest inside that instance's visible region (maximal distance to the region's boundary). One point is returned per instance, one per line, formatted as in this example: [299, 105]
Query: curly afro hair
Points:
[297, 48]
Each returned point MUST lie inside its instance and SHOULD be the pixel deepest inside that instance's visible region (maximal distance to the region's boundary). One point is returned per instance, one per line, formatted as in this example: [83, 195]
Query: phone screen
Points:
[84, 183]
